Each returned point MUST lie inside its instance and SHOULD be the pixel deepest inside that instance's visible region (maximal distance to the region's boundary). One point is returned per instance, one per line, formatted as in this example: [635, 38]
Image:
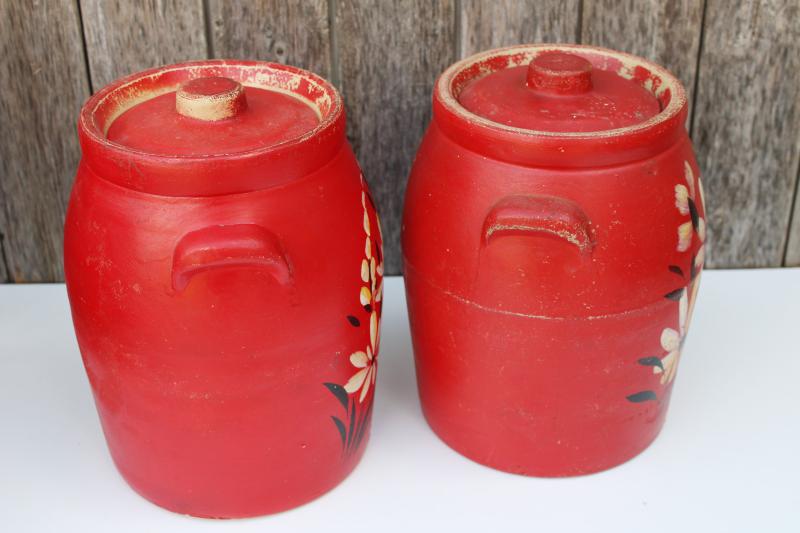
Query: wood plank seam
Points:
[85, 48]
[697, 75]
[791, 235]
[6, 269]
[458, 28]
[336, 73]
[208, 32]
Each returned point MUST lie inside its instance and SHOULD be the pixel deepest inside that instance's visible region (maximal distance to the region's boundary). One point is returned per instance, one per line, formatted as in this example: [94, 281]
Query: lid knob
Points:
[212, 98]
[560, 73]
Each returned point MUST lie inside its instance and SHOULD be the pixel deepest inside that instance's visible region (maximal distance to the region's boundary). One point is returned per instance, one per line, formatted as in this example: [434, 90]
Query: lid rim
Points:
[468, 128]
[95, 133]
[170, 174]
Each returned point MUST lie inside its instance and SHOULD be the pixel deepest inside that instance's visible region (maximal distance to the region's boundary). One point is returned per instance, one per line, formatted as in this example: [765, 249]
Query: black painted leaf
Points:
[339, 392]
[340, 427]
[675, 269]
[674, 295]
[651, 361]
[643, 396]
[353, 321]
[694, 214]
[368, 308]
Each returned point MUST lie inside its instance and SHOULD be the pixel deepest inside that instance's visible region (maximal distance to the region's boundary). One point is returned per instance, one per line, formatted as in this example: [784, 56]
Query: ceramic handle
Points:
[238, 245]
[537, 214]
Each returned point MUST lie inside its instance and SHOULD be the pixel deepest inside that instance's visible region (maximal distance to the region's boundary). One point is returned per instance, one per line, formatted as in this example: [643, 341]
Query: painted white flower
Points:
[369, 296]
[365, 377]
[372, 275]
[686, 202]
[365, 361]
[672, 342]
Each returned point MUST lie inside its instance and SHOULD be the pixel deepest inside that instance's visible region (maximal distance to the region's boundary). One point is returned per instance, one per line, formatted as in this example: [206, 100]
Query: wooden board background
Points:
[740, 62]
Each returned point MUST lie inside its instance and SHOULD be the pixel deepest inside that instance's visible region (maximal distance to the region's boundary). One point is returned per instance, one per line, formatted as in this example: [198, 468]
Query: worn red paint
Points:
[547, 269]
[211, 269]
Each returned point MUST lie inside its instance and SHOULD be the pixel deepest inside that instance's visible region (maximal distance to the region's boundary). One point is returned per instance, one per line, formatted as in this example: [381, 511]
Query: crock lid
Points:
[211, 127]
[559, 91]
[212, 116]
[560, 105]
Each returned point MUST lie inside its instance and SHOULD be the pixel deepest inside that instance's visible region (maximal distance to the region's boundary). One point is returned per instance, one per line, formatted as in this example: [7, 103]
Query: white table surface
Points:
[728, 458]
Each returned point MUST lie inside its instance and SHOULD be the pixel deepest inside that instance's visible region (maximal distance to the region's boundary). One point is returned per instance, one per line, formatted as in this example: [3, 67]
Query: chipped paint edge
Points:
[274, 77]
[522, 55]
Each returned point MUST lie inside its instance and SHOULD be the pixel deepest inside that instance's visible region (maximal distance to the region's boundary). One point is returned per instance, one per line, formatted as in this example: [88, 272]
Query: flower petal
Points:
[359, 359]
[701, 229]
[355, 382]
[364, 200]
[366, 222]
[369, 353]
[683, 310]
[670, 361]
[374, 372]
[373, 329]
[367, 383]
[379, 292]
[688, 174]
[684, 236]
[692, 300]
[372, 273]
[682, 199]
[700, 259]
[368, 248]
[364, 271]
[365, 296]
[670, 339]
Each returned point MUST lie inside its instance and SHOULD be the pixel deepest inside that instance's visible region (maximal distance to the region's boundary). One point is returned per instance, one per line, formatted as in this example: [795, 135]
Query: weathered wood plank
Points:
[124, 37]
[390, 54]
[747, 128]
[43, 82]
[667, 33]
[295, 33]
[486, 25]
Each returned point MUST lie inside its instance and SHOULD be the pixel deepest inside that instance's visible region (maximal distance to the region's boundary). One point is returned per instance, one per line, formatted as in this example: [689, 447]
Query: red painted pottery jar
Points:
[553, 238]
[223, 261]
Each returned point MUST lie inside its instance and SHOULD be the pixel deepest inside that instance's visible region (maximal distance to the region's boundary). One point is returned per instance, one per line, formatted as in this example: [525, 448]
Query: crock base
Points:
[266, 510]
[543, 471]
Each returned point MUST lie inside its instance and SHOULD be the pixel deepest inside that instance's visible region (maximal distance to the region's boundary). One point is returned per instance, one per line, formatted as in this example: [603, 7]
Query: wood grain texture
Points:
[124, 37]
[390, 54]
[43, 83]
[485, 25]
[294, 33]
[747, 128]
[667, 33]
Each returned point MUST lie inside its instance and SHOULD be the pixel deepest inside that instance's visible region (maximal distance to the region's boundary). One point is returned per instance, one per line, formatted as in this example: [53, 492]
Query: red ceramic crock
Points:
[223, 262]
[553, 238]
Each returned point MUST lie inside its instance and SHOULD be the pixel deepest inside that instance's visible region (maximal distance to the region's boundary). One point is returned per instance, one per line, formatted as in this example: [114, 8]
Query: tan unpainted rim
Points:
[521, 55]
[123, 94]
